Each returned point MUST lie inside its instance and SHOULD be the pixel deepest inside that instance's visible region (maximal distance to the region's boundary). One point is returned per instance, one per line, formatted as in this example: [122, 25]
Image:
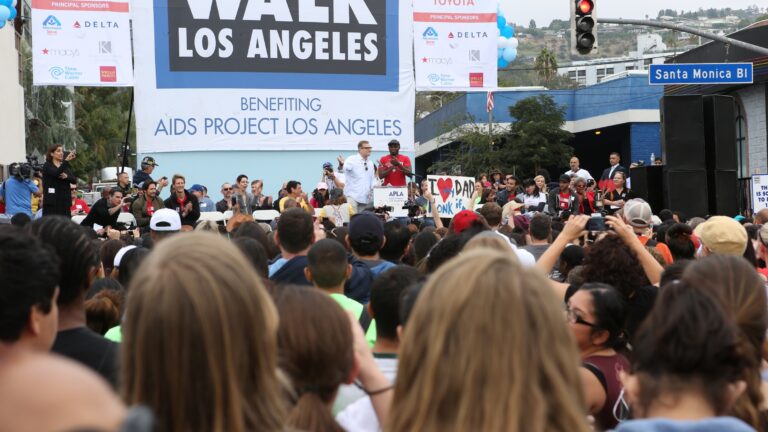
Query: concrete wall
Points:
[12, 147]
[753, 99]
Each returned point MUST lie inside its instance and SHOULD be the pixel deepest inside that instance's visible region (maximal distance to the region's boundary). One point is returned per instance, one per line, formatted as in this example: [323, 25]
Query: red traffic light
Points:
[584, 7]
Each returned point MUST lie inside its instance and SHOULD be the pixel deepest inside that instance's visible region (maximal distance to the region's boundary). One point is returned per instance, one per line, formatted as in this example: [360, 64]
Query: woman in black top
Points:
[614, 200]
[57, 177]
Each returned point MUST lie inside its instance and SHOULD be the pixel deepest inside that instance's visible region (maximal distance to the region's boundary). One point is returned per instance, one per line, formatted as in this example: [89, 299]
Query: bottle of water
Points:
[653, 158]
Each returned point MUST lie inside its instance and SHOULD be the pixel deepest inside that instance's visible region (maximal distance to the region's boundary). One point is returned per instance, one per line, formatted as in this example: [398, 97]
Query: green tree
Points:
[546, 65]
[536, 139]
[469, 149]
[532, 25]
[102, 118]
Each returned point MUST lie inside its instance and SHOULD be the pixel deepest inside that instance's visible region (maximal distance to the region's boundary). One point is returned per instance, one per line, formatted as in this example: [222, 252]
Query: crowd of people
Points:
[565, 306]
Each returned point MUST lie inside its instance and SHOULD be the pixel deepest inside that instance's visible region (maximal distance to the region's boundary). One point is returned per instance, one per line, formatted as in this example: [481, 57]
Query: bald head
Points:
[761, 217]
[70, 396]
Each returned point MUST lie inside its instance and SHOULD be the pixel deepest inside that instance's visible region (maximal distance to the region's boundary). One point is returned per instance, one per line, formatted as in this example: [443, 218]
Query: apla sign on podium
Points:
[700, 73]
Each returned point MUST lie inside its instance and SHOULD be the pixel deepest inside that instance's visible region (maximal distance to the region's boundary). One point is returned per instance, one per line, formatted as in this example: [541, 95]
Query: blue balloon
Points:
[2, 24]
[509, 54]
[503, 63]
[500, 53]
[7, 3]
[13, 14]
[5, 12]
[507, 32]
[501, 21]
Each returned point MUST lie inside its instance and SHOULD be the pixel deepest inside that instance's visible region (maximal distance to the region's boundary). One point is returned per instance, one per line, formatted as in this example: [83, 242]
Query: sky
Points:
[544, 11]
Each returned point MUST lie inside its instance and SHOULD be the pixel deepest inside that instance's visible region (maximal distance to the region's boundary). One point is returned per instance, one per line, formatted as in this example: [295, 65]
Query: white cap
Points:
[165, 220]
[120, 253]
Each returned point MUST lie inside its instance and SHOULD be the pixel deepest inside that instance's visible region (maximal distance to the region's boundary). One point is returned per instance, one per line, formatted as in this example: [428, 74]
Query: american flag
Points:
[489, 102]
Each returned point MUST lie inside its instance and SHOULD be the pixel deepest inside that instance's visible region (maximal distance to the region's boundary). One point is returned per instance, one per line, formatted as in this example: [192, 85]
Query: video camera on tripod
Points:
[22, 170]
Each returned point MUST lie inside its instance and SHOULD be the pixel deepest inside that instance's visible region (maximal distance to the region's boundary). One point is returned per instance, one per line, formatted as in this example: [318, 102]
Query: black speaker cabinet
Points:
[720, 132]
[648, 184]
[686, 191]
[682, 132]
[723, 193]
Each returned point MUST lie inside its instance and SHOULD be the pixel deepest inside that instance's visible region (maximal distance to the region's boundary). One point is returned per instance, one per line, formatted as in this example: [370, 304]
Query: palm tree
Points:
[546, 65]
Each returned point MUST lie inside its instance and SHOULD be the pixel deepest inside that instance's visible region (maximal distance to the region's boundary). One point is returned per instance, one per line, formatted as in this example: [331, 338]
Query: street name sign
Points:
[700, 73]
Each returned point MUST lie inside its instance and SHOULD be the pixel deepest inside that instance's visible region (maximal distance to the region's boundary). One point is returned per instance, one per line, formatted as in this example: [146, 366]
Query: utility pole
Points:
[685, 29]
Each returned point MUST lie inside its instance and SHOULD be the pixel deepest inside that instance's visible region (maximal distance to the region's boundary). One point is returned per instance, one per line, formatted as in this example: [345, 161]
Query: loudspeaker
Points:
[723, 195]
[682, 132]
[720, 132]
[648, 184]
[686, 191]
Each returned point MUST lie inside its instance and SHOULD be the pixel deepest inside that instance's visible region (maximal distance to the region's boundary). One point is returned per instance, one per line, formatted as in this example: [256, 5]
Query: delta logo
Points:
[76, 25]
[475, 79]
[108, 73]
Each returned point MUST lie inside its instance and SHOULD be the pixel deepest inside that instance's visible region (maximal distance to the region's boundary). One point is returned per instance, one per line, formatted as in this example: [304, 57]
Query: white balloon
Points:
[15, 2]
[513, 42]
[503, 42]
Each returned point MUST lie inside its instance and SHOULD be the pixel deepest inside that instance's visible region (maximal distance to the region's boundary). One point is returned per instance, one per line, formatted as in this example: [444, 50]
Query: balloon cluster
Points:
[7, 11]
[507, 42]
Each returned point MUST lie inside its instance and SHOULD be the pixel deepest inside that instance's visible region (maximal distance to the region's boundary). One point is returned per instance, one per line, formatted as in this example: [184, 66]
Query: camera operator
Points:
[57, 177]
[105, 211]
[148, 165]
[334, 180]
[17, 192]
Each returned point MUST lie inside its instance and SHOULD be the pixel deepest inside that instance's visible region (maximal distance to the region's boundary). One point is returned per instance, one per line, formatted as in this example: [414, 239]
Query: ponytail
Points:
[311, 412]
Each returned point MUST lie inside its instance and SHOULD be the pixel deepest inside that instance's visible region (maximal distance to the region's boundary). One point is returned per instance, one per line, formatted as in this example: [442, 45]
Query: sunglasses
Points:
[227, 189]
[366, 164]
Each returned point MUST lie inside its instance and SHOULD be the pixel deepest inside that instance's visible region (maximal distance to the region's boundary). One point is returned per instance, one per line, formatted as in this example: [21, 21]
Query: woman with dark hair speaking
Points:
[57, 197]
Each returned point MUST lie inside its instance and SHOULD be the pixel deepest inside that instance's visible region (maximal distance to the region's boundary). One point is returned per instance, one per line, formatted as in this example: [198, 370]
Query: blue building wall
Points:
[211, 169]
[628, 93]
[646, 139]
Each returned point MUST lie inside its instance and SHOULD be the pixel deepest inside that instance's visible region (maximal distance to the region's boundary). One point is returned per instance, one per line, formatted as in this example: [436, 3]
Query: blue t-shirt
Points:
[17, 195]
[207, 205]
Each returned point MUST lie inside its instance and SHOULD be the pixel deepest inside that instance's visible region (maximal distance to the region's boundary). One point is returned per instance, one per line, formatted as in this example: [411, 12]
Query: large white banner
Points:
[282, 75]
[81, 43]
[455, 44]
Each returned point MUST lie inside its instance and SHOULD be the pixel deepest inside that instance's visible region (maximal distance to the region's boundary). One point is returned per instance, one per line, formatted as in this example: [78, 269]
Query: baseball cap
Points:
[165, 220]
[149, 160]
[321, 185]
[327, 165]
[393, 142]
[638, 213]
[723, 235]
[365, 225]
[565, 178]
[119, 255]
[463, 219]
[197, 187]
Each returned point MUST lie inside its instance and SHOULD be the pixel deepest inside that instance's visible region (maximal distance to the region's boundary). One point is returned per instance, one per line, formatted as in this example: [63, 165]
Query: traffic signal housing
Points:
[583, 27]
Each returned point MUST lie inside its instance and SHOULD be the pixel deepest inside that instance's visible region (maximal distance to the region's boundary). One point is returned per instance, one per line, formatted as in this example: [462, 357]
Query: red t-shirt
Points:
[565, 200]
[78, 204]
[397, 176]
[150, 208]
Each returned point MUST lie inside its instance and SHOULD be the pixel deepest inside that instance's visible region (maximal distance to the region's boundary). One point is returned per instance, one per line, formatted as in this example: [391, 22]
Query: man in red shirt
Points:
[79, 206]
[394, 166]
